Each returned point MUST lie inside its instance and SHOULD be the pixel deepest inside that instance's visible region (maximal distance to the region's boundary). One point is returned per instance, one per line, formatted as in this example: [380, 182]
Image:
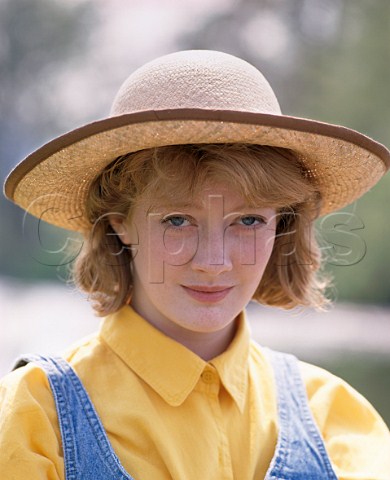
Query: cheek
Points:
[254, 247]
[267, 244]
[179, 247]
[160, 248]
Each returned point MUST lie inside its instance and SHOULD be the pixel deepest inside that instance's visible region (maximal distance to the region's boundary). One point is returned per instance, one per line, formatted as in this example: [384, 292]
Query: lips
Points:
[208, 294]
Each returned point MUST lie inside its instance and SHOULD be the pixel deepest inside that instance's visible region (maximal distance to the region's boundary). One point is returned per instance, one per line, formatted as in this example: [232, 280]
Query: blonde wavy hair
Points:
[265, 176]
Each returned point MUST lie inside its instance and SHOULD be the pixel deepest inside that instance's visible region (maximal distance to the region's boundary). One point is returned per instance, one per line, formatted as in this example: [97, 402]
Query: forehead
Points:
[208, 194]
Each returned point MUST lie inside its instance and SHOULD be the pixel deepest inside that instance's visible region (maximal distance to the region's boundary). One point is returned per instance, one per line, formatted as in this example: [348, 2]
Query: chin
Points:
[210, 320]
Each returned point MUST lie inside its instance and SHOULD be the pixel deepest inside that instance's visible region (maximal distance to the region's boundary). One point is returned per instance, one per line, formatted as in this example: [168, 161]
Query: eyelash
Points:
[168, 218]
[258, 218]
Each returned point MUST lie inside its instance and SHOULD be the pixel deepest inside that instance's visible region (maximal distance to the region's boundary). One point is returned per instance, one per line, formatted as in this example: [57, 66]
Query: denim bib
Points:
[88, 455]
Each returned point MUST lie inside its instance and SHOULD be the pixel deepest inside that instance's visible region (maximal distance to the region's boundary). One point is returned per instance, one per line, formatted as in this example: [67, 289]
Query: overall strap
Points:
[88, 454]
[300, 451]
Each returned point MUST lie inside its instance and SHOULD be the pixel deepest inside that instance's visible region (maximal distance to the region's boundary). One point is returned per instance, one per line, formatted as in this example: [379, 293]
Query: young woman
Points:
[196, 196]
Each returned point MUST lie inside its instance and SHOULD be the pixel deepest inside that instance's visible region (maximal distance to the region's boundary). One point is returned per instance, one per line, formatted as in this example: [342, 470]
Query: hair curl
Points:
[266, 176]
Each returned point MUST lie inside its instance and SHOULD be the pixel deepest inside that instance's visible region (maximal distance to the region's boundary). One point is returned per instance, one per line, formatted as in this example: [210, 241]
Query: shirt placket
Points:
[211, 382]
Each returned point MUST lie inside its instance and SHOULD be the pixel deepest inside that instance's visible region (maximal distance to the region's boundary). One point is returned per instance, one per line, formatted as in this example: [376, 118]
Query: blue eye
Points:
[176, 221]
[251, 220]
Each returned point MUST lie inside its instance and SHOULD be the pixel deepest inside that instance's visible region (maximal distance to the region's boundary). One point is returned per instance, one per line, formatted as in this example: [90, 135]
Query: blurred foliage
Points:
[326, 59]
[39, 42]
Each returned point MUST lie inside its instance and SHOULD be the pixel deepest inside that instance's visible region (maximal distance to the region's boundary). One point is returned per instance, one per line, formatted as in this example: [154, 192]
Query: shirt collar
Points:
[232, 364]
[168, 367]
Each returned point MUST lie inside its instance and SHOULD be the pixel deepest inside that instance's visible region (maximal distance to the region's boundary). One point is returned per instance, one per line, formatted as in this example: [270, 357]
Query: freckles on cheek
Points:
[179, 248]
[269, 244]
[248, 250]
[162, 249]
[268, 249]
[174, 243]
[255, 249]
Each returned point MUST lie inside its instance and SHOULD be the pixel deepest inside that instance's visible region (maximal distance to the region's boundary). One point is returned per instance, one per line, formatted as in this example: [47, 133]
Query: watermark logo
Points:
[339, 235]
[44, 246]
[345, 247]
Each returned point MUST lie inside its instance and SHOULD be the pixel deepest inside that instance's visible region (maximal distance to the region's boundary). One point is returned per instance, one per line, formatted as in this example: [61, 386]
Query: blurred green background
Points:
[62, 62]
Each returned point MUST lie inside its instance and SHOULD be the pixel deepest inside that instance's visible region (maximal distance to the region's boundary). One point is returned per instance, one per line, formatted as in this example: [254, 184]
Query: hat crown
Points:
[201, 79]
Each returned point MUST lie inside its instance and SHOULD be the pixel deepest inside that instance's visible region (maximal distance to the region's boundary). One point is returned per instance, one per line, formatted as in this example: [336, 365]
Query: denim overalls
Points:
[88, 455]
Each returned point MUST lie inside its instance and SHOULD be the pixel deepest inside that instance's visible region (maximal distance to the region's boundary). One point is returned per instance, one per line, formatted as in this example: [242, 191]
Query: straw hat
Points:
[195, 96]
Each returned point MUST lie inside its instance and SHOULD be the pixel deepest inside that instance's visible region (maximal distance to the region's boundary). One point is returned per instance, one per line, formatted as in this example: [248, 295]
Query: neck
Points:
[206, 345]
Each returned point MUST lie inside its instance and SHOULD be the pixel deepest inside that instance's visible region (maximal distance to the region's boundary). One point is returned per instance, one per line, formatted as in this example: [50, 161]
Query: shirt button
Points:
[207, 377]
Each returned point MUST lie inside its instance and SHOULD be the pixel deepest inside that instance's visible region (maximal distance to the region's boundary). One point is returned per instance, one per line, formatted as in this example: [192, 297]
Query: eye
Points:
[251, 220]
[176, 221]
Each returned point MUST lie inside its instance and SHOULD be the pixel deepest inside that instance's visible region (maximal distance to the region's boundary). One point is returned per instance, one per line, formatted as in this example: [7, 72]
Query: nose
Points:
[212, 256]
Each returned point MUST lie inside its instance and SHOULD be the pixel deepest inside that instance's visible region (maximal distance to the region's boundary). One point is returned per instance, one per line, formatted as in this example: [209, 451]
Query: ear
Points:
[121, 226]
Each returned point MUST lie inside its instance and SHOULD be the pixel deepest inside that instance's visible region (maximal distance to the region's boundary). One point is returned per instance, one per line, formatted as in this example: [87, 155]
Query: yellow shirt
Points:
[171, 415]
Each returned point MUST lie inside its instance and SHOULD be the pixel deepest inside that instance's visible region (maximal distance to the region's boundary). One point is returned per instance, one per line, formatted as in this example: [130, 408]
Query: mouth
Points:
[208, 294]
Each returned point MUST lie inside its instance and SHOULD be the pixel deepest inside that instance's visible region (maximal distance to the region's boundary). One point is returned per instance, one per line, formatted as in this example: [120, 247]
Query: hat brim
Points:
[53, 182]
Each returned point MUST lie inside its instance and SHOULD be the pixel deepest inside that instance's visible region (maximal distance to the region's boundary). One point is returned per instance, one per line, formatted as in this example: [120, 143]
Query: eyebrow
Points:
[197, 206]
[177, 205]
[157, 208]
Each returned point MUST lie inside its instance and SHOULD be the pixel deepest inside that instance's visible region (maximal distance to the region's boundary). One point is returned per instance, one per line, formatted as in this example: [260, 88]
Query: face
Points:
[197, 266]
